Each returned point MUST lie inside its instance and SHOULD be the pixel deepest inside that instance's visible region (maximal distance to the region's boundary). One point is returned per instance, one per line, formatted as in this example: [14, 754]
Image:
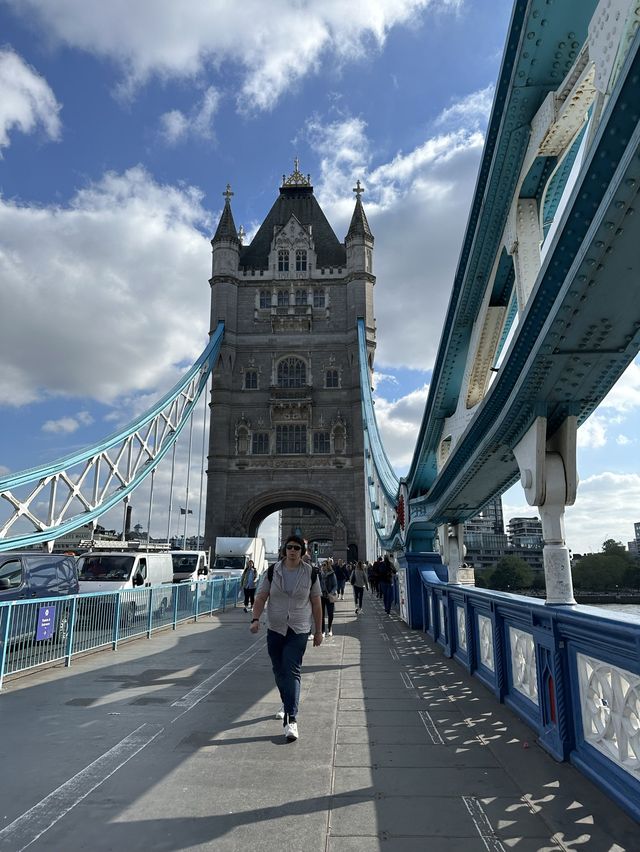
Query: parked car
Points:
[42, 576]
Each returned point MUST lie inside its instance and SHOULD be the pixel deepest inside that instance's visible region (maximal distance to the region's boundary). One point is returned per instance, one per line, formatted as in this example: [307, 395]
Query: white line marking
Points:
[26, 829]
[430, 725]
[211, 683]
[482, 824]
[385, 637]
[394, 653]
[406, 680]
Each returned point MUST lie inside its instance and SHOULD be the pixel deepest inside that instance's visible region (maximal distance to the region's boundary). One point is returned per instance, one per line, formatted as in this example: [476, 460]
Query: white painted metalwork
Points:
[485, 635]
[610, 709]
[461, 621]
[524, 668]
[47, 502]
[443, 626]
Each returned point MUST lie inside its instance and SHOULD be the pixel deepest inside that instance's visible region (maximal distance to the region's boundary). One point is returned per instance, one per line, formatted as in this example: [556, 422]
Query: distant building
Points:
[490, 520]
[525, 533]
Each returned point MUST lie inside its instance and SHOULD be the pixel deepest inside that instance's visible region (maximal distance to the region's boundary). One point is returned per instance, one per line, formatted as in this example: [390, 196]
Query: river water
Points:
[628, 609]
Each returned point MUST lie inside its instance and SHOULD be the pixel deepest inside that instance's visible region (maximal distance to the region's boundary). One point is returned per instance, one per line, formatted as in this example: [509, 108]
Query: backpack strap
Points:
[270, 572]
[314, 574]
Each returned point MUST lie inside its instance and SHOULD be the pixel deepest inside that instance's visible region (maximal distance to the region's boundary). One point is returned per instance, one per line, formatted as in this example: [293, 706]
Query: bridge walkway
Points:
[172, 745]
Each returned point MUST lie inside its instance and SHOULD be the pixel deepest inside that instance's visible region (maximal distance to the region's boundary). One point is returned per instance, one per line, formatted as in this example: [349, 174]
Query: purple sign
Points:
[46, 618]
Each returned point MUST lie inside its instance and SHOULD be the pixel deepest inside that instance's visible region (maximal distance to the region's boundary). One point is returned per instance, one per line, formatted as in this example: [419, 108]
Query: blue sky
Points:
[120, 126]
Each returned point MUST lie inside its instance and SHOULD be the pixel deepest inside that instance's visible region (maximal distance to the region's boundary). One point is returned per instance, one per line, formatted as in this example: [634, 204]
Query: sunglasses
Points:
[293, 547]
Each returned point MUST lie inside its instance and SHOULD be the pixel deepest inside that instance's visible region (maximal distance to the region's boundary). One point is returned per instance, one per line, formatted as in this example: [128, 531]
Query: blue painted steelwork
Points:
[571, 715]
[195, 379]
[558, 182]
[99, 620]
[553, 368]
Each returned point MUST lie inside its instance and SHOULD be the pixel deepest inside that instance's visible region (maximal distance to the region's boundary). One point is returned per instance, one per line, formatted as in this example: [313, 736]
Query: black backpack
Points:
[314, 574]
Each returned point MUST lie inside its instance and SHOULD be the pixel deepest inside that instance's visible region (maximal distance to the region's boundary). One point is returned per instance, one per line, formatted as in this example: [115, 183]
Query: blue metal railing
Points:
[571, 673]
[49, 630]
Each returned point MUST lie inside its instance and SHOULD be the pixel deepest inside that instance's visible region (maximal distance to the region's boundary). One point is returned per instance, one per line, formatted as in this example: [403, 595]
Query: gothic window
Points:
[283, 298]
[332, 379]
[319, 299]
[265, 298]
[251, 380]
[260, 443]
[301, 260]
[283, 260]
[291, 439]
[292, 373]
[369, 261]
[301, 297]
[321, 442]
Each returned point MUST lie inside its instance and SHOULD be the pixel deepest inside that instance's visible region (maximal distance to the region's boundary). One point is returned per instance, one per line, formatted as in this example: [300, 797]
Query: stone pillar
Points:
[549, 478]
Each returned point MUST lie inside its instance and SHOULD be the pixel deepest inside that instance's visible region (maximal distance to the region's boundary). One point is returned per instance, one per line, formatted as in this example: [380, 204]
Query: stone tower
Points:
[286, 421]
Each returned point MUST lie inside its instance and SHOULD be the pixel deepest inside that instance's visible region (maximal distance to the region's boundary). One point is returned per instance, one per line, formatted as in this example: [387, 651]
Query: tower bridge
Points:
[544, 317]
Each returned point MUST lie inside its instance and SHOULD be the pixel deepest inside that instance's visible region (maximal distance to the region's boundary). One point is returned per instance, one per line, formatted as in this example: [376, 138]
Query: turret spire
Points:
[226, 229]
[359, 226]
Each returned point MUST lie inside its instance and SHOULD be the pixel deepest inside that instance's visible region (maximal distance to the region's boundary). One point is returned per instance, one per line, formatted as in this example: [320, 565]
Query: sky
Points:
[121, 125]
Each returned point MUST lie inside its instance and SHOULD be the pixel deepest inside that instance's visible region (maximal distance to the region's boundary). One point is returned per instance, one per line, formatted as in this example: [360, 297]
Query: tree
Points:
[511, 573]
[599, 572]
[614, 548]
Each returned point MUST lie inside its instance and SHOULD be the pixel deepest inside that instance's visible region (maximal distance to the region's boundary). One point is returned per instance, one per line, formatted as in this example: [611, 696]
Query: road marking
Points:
[482, 824]
[406, 680]
[211, 683]
[394, 653]
[26, 829]
[430, 725]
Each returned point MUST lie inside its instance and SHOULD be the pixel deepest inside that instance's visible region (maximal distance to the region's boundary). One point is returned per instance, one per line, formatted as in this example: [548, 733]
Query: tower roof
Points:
[226, 229]
[295, 198]
[359, 226]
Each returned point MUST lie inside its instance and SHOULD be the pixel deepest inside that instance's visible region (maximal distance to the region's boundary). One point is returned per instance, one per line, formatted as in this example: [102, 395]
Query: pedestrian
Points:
[293, 591]
[248, 583]
[342, 575]
[359, 582]
[329, 584]
[385, 583]
[377, 569]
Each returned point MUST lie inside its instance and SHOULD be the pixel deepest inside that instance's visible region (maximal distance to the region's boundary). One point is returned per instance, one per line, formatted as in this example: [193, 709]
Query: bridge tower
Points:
[286, 424]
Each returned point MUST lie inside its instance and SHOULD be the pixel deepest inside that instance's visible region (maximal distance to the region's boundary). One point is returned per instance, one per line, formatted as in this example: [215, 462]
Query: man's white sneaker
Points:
[280, 713]
[330, 633]
[291, 731]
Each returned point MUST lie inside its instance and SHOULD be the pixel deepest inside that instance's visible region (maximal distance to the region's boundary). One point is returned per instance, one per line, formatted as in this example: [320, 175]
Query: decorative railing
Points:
[572, 673]
[46, 631]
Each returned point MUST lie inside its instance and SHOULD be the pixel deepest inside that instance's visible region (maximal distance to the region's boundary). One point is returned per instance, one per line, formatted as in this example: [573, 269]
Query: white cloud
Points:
[593, 432]
[417, 205]
[472, 110]
[67, 425]
[4, 470]
[623, 441]
[120, 268]
[175, 126]
[625, 394]
[399, 421]
[273, 44]
[27, 100]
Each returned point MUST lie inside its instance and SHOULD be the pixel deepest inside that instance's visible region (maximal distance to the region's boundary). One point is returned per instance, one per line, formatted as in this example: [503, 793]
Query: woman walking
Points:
[248, 583]
[360, 583]
[329, 583]
[293, 591]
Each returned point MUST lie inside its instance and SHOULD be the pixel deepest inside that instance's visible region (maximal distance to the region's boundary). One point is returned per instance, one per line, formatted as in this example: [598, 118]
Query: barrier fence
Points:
[49, 630]
[571, 672]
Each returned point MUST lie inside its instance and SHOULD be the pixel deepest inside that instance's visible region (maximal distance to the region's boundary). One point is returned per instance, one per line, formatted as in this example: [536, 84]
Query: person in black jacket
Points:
[387, 572]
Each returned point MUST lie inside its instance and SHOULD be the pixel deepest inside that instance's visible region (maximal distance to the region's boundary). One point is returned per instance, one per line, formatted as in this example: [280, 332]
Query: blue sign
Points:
[46, 619]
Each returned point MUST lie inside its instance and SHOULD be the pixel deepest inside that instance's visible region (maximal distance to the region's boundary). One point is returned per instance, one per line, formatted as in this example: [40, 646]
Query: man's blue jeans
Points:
[387, 595]
[286, 654]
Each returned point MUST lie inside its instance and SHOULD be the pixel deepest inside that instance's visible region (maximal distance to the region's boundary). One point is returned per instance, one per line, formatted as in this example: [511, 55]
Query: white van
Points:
[189, 565]
[118, 571]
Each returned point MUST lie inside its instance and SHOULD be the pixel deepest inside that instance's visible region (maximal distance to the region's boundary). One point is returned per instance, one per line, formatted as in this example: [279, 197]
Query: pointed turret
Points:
[226, 230]
[359, 239]
[225, 242]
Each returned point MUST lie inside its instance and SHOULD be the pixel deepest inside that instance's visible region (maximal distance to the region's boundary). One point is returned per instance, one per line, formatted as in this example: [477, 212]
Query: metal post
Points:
[176, 595]
[153, 474]
[5, 641]
[224, 593]
[173, 470]
[72, 626]
[204, 432]
[150, 613]
[116, 623]
[197, 602]
[186, 501]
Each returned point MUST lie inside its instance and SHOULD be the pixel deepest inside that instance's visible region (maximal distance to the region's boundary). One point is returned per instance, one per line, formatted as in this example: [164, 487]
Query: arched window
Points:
[301, 297]
[265, 298]
[319, 300]
[291, 439]
[321, 442]
[283, 260]
[260, 444]
[292, 373]
[301, 260]
[251, 380]
[332, 379]
[242, 440]
[283, 298]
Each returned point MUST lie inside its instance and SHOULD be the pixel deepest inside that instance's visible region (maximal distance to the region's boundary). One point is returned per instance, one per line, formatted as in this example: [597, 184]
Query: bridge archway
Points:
[259, 507]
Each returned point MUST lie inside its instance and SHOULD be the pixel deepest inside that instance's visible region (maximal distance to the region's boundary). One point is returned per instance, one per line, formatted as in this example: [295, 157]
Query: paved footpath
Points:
[172, 744]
